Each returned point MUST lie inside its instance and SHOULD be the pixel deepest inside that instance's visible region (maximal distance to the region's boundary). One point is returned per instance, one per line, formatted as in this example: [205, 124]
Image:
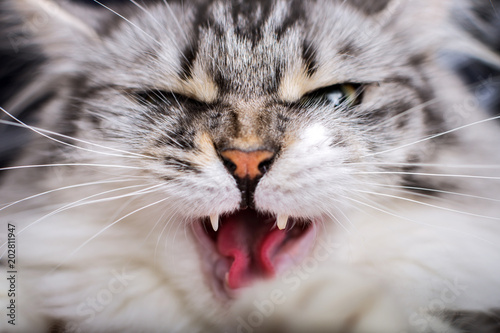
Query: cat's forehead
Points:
[251, 48]
[247, 49]
[254, 48]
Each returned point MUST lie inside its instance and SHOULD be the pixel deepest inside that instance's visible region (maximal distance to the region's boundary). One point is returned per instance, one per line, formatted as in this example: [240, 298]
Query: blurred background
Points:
[18, 63]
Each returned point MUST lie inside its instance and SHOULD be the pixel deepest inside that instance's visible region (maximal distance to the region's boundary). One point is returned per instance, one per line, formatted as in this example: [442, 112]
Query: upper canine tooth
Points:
[214, 219]
[281, 221]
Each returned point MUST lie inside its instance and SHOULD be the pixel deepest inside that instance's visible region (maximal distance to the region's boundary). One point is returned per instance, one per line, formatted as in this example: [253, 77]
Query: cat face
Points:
[254, 118]
[317, 97]
[257, 120]
[204, 151]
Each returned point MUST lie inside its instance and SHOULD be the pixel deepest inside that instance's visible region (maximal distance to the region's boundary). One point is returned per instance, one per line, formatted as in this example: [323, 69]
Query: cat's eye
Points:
[338, 95]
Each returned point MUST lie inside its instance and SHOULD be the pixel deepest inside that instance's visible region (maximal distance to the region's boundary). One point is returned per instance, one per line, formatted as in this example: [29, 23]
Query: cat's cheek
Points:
[213, 191]
[306, 189]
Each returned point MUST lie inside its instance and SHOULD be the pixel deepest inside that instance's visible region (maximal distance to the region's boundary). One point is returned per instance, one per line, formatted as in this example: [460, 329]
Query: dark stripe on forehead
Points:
[188, 56]
[187, 60]
[368, 7]
[249, 17]
[253, 15]
[295, 14]
[309, 57]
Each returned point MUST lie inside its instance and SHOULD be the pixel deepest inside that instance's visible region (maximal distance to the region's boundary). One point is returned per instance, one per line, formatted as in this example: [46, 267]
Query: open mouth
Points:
[247, 246]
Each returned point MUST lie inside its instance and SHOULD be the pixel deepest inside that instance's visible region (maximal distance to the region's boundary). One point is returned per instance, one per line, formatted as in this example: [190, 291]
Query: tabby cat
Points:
[249, 166]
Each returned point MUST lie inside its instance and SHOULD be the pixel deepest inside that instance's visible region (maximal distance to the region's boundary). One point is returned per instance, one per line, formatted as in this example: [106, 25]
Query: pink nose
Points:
[247, 164]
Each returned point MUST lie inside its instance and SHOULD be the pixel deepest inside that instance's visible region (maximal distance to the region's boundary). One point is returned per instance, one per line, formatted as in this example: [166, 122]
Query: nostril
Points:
[230, 166]
[265, 165]
[247, 164]
[247, 167]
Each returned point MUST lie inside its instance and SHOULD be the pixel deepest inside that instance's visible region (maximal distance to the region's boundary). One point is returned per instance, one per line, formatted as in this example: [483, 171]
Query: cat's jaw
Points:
[249, 247]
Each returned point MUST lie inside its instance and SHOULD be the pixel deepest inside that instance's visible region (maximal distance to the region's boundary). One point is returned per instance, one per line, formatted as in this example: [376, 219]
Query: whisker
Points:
[82, 202]
[167, 225]
[66, 188]
[435, 191]
[174, 17]
[179, 225]
[106, 228]
[402, 114]
[417, 107]
[392, 118]
[43, 131]
[427, 204]
[387, 211]
[16, 167]
[161, 218]
[130, 22]
[422, 195]
[458, 166]
[338, 222]
[434, 136]
[162, 98]
[160, 25]
[423, 174]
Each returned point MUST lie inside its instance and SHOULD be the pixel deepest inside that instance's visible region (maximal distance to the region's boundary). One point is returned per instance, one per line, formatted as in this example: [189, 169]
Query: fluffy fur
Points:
[137, 100]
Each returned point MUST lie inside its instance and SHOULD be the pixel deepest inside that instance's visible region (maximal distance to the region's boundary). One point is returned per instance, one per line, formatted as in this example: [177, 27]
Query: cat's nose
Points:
[247, 167]
[243, 164]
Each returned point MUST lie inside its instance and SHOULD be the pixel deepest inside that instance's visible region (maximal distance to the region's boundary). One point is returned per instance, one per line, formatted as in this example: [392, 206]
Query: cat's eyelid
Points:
[358, 85]
[325, 90]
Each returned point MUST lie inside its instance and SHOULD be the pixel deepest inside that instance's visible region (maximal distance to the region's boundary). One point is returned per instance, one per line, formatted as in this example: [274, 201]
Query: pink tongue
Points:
[251, 244]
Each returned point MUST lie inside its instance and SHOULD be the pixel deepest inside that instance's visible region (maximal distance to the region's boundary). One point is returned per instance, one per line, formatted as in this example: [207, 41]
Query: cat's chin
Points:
[248, 246]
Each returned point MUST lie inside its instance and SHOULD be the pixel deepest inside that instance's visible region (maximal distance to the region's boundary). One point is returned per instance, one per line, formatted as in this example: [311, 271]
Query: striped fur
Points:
[145, 96]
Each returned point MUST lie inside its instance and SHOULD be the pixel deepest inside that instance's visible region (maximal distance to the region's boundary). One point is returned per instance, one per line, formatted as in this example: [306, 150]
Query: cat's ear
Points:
[54, 25]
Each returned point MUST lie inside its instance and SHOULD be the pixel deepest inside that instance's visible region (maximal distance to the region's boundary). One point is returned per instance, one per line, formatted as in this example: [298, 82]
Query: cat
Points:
[249, 166]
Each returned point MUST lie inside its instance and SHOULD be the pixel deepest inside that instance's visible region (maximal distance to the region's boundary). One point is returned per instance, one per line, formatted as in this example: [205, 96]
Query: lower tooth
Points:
[282, 221]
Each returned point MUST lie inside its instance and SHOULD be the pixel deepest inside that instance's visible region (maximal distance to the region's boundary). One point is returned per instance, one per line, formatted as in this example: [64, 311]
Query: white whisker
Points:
[130, 22]
[174, 17]
[338, 221]
[435, 191]
[106, 228]
[43, 131]
[427, 204]
[423, 174]
[160, 25]
[167, 225]
[386, 211]
[82, 202]
[66, 188]
[16, 167]
[434, 136]
[457, 166]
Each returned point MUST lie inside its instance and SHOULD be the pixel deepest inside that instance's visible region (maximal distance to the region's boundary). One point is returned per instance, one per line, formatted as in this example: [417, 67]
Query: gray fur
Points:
[167, 87]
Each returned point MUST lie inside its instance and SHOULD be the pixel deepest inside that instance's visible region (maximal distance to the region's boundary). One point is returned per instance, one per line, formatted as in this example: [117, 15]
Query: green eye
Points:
[337, 95]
